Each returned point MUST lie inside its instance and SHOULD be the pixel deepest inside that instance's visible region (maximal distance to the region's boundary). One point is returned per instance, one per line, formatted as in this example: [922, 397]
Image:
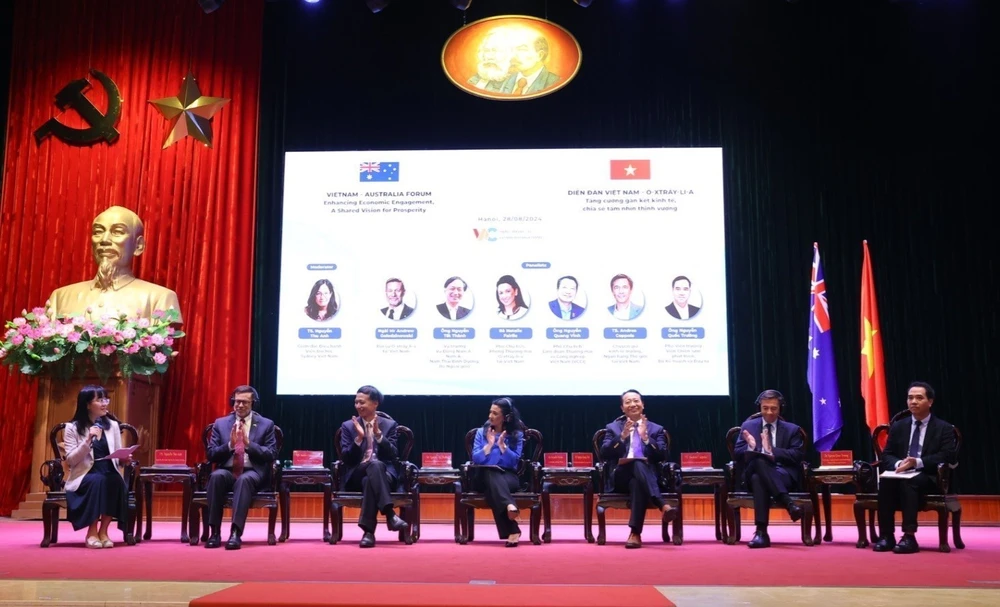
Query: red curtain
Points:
[197, 203]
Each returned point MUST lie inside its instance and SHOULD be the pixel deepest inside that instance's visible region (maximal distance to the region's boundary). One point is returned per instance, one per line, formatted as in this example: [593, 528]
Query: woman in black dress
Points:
[95, 490]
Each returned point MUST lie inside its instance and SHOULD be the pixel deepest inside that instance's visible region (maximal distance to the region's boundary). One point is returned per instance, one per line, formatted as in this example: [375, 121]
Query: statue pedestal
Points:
[136, 401]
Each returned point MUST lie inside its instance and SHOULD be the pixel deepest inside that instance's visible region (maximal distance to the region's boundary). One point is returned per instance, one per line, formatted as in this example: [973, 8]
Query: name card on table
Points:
[556, 460]
[583, 460]
[170, 457]
[836, 458]
[435, 460]
[696, 459]
[307, 459]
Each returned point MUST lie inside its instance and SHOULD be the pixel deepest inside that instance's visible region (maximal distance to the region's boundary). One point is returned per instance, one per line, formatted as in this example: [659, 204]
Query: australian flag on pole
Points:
[379, 171]
[822, 372]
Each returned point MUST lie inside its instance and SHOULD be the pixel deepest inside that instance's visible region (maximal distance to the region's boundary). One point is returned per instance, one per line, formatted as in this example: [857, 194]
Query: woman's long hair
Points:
[518, 299]
[82, 416]
[312, 308]
[511, 417]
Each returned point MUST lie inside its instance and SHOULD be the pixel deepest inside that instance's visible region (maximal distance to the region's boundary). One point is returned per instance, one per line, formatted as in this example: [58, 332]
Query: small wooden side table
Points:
[161, 475]
[820, 480]
[438, 477]
[716, 478]
[569, 477]
[303, 475]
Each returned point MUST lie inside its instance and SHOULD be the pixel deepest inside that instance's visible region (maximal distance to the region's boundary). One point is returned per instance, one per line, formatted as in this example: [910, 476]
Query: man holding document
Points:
[633, 445]
[913, 451]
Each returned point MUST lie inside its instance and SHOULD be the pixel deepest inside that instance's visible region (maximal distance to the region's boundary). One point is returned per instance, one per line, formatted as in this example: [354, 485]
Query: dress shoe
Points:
[760, 540]
[367, 540]
[884, 544]
[634, 541]
[512, 540]
[395, 523]
[214, 541]
[907, 545]
[234, 542]
[794, 511]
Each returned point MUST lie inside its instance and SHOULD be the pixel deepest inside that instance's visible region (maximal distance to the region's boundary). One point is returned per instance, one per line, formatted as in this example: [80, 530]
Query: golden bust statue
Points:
[115, 237]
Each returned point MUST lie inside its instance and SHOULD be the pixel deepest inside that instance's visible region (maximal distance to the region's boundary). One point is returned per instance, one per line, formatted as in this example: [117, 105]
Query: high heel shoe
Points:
[512, 543]
[94, 542]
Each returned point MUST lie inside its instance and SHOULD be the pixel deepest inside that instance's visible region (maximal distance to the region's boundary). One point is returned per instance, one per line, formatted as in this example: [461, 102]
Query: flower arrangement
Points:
[37, 344]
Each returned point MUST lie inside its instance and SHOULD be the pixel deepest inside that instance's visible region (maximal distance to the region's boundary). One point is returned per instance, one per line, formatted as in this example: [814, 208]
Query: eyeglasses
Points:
[102, 401]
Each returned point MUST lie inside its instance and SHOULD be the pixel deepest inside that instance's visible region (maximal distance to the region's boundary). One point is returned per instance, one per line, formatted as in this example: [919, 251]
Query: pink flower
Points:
[106, 331]
[170, 331]
[55, 350]
[73, 337]
[90, 309]
[10, 333]
[132, 349]
[38, 311]
[79, 320]
[159, 358]
[19, 321]
[42, 320]
[143, 323]
[17, 340]
[145, 342]
[64, 330]
[157, 313]
[157, 339]
[168, 341]
[47, 332]
[107, 350]
[129, 333]
[88, 326]
[24, 329]
[119, 336]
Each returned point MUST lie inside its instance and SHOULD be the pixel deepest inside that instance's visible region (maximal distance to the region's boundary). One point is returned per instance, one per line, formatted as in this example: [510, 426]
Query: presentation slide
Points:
[492, 272]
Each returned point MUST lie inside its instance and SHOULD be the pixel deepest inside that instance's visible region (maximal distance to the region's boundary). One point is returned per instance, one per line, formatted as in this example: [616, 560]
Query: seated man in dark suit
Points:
[771, 451]
[368, 449]
[635, 437]
[916, 443]
[244, 445]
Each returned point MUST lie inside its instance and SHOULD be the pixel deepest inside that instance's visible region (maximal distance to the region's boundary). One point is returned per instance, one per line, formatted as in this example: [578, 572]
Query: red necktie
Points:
[239, 453]
[521, 83]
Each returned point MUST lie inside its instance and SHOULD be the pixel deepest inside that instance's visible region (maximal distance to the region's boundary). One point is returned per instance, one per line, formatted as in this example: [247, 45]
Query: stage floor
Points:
[164, 572]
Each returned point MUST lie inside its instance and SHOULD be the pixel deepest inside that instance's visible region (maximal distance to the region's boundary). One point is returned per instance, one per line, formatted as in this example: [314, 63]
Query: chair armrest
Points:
[131, 474]
[730, 470]
[336, 471]
[409, 480]
[669, 477]
[536, 477]
[276, 475]
[202, 471]
[51, 474]
[866, 476]
[597, 477]
[944, 478]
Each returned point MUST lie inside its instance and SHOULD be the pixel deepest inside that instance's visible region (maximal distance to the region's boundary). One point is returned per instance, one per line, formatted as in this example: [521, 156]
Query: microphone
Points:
[97, 424]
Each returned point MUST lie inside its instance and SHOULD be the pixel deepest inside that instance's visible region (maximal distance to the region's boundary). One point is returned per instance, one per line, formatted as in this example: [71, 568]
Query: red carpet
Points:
[428, 595]
[567, 560]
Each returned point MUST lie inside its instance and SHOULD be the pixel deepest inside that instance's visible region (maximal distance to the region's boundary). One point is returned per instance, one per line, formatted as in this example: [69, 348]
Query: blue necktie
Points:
[915, 441]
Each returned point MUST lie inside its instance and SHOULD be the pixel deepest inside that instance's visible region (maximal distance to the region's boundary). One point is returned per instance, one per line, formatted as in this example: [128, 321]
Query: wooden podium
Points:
[136, 401]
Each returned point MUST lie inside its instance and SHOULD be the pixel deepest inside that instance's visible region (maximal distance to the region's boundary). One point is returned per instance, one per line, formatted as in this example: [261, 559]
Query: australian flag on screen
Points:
[379, 171]
[822, 373]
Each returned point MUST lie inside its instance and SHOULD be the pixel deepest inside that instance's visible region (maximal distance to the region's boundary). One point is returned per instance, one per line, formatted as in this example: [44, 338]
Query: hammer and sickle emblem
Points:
[102, 126]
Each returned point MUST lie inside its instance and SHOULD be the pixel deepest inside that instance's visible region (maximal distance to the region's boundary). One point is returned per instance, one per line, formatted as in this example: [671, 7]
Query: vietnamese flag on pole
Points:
[630, 169]
[872, 363]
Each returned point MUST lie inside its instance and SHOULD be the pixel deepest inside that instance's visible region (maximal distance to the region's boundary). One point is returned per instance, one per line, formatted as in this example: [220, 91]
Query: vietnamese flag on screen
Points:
[630, 169]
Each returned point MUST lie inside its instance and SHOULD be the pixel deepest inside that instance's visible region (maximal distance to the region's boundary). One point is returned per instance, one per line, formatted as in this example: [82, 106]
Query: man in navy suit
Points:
[368, 450]
[645, 443]
[241, 435]
[563, 306]
[917, 443]
[771, 451]
[394, 292]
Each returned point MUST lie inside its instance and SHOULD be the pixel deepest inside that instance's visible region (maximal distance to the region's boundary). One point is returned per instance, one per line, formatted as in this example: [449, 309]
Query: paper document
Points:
[123, 453]
[894, 474]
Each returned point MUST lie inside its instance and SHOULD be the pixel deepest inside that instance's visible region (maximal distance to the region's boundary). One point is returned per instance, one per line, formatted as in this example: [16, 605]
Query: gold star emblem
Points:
[189, 113]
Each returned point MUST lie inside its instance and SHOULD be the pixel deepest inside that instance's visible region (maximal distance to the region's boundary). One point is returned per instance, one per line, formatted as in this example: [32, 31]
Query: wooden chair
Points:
[529, 471]
[403, 499]
[740, 498]
[52, 475]
[269, 498]
[944, 503]
[667, 475]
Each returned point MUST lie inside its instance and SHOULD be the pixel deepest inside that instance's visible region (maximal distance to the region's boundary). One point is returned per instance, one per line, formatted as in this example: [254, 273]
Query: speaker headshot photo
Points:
[323, 302]
[512, 301]
[568, 293]
[396, 298]
[457, 299]
[628, 302]
[681, 307]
